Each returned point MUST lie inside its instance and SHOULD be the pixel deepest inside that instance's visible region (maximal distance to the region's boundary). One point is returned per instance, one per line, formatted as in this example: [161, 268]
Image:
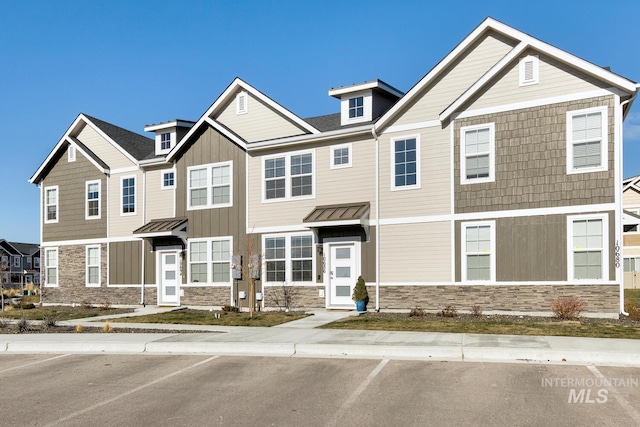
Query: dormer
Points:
[169, 133]
[364, 102]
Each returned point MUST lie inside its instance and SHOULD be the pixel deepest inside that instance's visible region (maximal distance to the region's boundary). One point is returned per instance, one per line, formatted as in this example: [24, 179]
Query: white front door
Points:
[169, 278]
[342, 274]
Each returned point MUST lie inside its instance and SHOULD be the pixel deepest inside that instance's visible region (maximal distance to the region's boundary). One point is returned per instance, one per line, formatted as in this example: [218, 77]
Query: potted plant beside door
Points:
[360, 295]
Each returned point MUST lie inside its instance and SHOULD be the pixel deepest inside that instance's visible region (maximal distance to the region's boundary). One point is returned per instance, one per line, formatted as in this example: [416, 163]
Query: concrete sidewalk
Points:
[301, 339]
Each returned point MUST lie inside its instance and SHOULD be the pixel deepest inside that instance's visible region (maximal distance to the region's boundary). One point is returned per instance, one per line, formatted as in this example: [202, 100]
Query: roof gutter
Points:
[307, 138]
[377, 177]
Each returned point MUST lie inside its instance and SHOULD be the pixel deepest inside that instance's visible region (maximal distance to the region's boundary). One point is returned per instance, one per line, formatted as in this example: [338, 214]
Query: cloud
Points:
[632, 127]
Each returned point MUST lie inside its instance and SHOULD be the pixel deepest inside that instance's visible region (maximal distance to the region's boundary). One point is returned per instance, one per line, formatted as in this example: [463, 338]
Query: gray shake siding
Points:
[530, 162]
[71, 178]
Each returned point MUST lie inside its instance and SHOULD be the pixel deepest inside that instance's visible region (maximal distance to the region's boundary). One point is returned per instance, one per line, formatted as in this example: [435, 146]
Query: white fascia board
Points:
[435, 71]
[338, 92]
[87, 156]
[34, 178]
[300, 139]
[109, 140]
[513, 54]
[234, 138]
[168, 125]
[239, 83]
[153, 162]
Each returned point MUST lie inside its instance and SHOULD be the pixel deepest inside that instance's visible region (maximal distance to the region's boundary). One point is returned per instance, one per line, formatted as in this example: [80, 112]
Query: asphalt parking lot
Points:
[162, 390]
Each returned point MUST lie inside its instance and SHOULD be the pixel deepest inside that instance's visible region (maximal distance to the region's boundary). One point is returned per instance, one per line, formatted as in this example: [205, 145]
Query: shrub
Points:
[449, 311]
[230, 309]
[360, 291]
[567, 308]
[49, 322]
[105, 307]
[476, 311]
[27, 305]
[633, 310]
[106, 328]
[3, 323]
[23, 325]
[417, 312]
[79, 328]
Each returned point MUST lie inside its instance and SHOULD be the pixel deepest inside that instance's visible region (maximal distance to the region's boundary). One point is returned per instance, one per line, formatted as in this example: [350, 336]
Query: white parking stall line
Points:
[34, 363]
[631, 411]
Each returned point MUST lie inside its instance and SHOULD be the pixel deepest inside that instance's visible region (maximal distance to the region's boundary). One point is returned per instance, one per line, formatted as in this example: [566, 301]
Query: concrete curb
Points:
[379, 352]
[222, 348]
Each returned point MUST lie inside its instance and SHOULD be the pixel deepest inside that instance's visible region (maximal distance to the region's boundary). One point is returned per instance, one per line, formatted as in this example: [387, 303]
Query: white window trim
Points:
[239, 104]
[86, 199]
[209, 186]
[36, 262]
[209, 261]
[392, 170]
[71, 153]
[463, 250]
[604, 143]
[135, 196]
[536, 70]
[332, 165]
[158, 141]
[168, 187]
[287, 177]
[86, 269]
[46, 269]
[56, 204]
[605, 246]
[492, 156]
[15, 261]
[367, 104]
[288, 263]
[28, 262]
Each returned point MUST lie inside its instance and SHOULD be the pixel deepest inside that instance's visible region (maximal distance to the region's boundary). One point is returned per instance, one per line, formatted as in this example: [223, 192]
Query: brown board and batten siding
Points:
[125, 263]
[71, 178]
[530, 162]
[533, 248]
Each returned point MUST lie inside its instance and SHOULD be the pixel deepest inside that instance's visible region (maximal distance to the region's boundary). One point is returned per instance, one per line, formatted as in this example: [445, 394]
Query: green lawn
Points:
[201, 317]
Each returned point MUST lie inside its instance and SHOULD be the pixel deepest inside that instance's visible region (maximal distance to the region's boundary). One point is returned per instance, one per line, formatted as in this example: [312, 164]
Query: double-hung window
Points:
[289, 258]
[289, 176]
[93, 265]
[16, 260]
[92, 207]
[210, 186]
[51, 260]
[587, 140]
[128, 195]
[51, 204]
[405, 163]
[477, 147]
[588, 254]
[210, 261]
[478, 251]
[36, 262]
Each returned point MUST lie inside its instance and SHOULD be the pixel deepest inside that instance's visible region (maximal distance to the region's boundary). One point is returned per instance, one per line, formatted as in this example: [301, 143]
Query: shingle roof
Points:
[332, 122]
[140, 147]
[27, 249]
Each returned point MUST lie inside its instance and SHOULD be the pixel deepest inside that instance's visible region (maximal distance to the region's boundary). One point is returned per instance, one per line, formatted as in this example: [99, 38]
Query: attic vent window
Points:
[71, 154]
[529, 73]
[356, 107]
[241, 103]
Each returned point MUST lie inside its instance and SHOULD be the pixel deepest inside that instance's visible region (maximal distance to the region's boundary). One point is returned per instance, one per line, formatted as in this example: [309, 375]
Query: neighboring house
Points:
[631, 227]
[494, 181]
[19, 264]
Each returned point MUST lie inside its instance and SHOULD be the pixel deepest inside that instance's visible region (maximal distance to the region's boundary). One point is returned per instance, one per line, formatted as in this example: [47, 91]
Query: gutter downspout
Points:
[375, 136]
[622, 104]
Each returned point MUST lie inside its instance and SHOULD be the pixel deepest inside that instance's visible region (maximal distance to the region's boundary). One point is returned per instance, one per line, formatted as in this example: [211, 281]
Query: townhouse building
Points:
[495, 181]
[19, 264]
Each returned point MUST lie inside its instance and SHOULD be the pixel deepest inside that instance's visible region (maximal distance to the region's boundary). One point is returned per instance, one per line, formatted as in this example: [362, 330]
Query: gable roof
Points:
[133, 146]
[631, 182]
[525, 40]
[17, 248]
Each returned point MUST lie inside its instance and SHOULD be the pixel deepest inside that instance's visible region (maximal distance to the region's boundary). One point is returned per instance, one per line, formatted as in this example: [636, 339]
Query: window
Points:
[28, 262]
[356, 107]
[631, 264]
[71, 153]
[289, 176]
[16, 260]
[4, 261]
[587, 140]
[36, 262]
[588, 255]
[477, 149]
[210, 186]
[341, 156]
[405, 155]
[289, 258]
[51, 261]
[28, 278]
[478, 248]
[128, 196]
[93, 266]
[242, 103]
[93, 200]
[51, 204]
[210, 261]
[165, 141]
[168, 179]
[529, 70]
